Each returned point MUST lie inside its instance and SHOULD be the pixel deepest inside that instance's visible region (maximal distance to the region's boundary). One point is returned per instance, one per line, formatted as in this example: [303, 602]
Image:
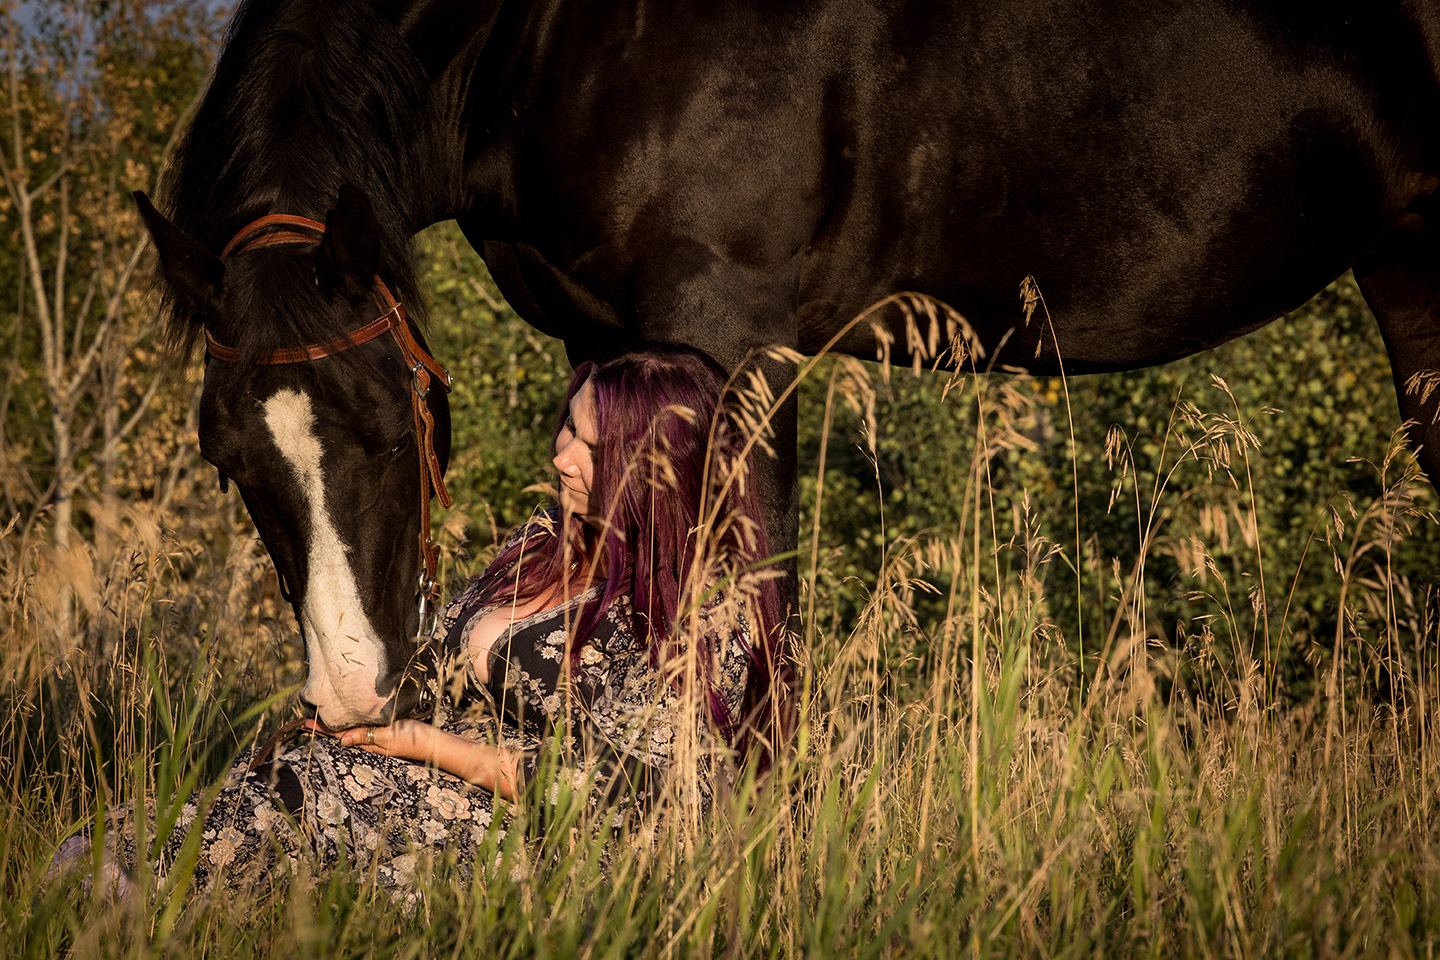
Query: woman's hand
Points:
[494, 768]
[405, 739]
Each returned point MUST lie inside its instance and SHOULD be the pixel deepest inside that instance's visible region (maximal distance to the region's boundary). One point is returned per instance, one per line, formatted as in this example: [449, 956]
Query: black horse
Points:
[732, 173]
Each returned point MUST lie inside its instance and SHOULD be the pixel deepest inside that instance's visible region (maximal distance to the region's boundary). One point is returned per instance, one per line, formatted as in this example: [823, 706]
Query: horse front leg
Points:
[778, 482]
[738, 313]
[1402, 287]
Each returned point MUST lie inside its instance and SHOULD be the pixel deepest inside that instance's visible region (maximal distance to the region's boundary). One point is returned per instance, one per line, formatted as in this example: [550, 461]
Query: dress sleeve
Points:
[618, 729]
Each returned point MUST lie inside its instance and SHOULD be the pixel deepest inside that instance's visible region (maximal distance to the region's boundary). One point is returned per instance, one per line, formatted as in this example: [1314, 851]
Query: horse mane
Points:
[306, 97]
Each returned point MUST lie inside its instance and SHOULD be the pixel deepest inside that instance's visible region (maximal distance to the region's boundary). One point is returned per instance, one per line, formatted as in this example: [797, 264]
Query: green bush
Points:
[1256, 457]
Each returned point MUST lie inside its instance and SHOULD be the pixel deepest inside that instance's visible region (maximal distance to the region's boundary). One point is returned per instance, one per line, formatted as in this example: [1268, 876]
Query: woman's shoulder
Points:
[477, 593]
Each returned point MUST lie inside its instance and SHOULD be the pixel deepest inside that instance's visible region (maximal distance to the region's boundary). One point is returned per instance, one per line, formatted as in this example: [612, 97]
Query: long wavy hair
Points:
[679, 528]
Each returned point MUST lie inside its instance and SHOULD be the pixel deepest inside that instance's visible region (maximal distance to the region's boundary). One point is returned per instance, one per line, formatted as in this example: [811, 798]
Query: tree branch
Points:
[192, 424]
[83, 310]
[81, 367]
[16, 134]
[5, 396]
[140, 408]
[62, 257]
[65, 166]
[112, 312]
[157, 182]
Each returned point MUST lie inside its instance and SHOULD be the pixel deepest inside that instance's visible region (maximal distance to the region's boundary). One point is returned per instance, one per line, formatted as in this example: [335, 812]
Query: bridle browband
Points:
[421, 365]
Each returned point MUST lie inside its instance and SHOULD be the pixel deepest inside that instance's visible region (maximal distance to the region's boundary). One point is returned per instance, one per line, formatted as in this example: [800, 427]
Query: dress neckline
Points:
[530, 618]
[543, 611]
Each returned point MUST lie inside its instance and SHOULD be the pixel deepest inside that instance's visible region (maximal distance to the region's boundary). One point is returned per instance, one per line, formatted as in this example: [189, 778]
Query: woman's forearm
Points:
[494, 768]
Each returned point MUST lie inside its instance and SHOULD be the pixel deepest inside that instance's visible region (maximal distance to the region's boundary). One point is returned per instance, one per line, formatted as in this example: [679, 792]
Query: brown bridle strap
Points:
[422, 366]
[246, 239]
[315, 351]
[267, 750]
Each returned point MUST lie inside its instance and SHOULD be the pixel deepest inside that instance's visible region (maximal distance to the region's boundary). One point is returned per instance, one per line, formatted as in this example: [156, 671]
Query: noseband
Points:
[394, 321]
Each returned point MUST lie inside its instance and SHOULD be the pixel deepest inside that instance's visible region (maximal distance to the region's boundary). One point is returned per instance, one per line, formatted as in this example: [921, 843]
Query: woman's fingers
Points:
[399, 739]
[370, 738]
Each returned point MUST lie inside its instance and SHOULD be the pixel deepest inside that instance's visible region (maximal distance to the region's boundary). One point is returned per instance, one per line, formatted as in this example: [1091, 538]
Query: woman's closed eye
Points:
[568, 434]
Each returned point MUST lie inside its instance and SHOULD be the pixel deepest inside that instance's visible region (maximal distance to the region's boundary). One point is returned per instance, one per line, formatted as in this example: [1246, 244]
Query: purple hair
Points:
[672, 480]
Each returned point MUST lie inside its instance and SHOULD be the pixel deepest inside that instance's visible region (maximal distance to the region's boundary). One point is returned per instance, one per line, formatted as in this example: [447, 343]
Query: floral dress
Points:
[609, 724]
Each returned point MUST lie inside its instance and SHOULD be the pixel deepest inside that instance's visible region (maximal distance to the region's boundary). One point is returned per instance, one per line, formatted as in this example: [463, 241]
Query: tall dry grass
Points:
[1008, 798]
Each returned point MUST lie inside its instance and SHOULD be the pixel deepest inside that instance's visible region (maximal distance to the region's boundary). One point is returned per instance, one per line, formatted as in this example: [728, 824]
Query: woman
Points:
[618, 643]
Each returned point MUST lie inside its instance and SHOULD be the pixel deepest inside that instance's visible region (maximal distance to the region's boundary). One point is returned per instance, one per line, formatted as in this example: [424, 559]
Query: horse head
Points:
[320, 405]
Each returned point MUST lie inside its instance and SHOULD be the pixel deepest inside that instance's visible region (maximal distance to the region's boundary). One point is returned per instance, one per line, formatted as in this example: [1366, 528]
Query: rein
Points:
[394, 321]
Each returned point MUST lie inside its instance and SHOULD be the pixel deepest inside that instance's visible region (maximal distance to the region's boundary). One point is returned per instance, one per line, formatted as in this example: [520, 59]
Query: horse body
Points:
[1172, 177]
[733, 174]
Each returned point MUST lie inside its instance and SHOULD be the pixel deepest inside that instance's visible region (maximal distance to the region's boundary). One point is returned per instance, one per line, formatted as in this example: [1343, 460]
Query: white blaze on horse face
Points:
[342, 648]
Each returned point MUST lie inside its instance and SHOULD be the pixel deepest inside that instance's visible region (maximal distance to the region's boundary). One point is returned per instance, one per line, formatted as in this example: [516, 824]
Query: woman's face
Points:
[575, 451]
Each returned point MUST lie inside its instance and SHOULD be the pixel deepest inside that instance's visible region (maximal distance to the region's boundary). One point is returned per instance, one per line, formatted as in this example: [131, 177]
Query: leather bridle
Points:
[394, 321]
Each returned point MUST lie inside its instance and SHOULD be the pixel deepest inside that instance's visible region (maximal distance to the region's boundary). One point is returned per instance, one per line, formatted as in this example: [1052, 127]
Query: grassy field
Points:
[966, 782]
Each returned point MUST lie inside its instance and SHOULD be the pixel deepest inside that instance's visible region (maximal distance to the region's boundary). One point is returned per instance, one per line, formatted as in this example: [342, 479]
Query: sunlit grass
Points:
[964, 784]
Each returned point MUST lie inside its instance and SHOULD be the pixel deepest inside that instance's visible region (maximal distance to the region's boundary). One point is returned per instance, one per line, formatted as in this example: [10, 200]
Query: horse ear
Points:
[349, 255]
[195, 274]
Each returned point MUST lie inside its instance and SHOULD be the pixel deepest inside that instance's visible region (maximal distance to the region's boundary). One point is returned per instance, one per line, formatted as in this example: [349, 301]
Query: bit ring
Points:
[370, 736]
